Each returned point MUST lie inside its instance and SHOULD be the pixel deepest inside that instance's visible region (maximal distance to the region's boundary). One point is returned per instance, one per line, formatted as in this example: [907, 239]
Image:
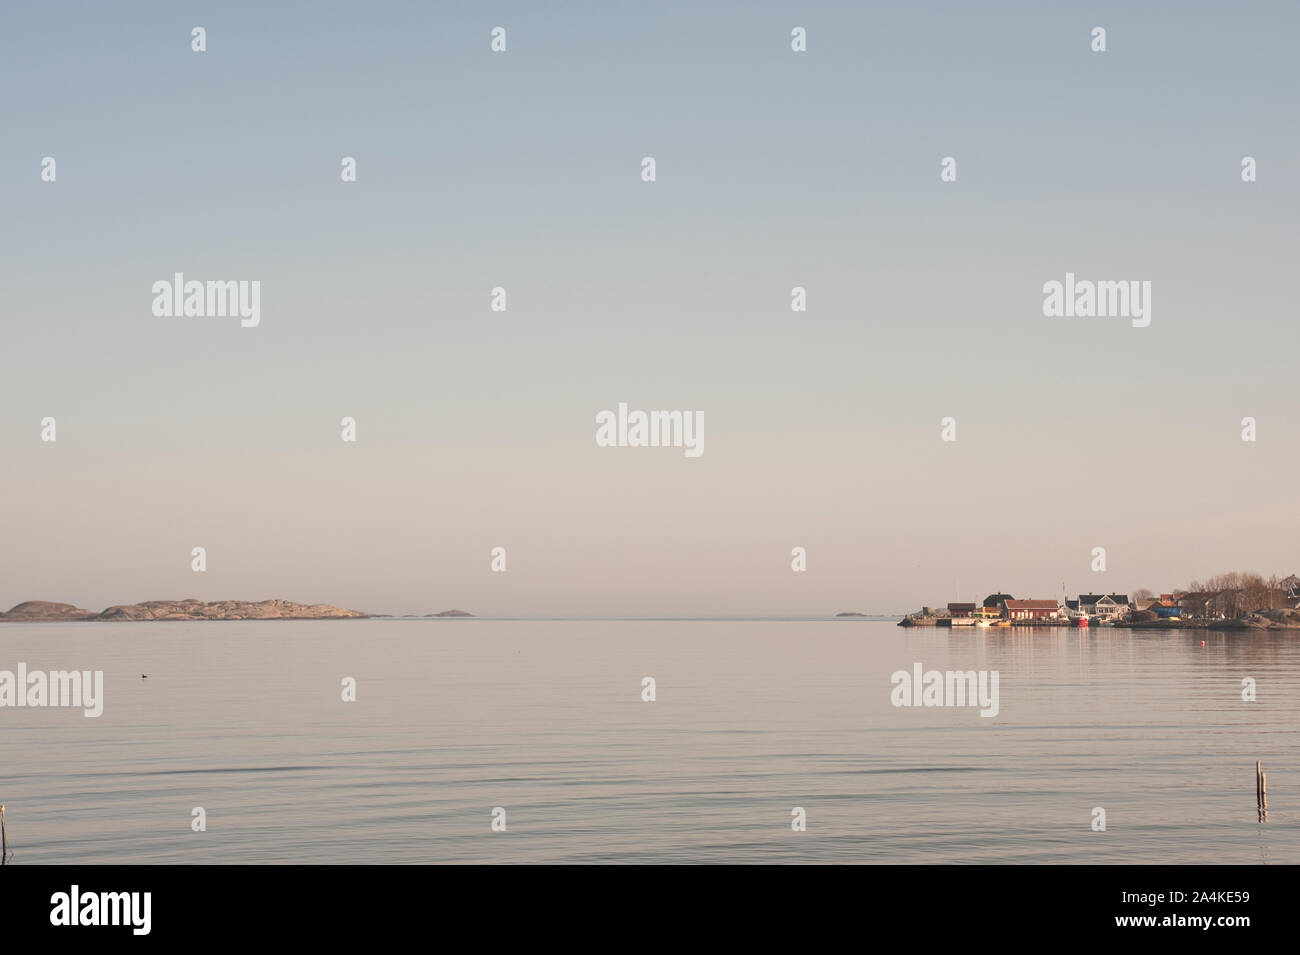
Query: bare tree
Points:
[1236, 593]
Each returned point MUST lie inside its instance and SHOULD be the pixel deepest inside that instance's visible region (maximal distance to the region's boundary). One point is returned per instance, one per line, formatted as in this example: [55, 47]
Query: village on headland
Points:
[1232, 601]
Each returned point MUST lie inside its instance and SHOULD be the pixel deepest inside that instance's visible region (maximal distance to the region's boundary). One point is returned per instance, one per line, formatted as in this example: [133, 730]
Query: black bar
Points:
[980, 904]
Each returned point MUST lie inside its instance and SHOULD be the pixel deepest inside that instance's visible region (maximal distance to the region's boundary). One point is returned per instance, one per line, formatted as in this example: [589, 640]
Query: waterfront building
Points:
[1031, 609]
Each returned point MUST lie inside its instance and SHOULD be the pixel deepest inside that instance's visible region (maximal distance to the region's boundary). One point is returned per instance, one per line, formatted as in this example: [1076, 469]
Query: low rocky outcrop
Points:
[38, 611]
[919, 620]
[44, 611]
[1261, 620]
[451, 613]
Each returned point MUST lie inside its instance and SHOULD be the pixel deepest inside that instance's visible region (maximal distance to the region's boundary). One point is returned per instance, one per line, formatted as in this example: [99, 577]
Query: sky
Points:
[523, 170]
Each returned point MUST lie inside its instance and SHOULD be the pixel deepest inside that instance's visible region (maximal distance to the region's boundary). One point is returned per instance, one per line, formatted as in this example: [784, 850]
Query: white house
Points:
[1103, 605]
[1108, 606]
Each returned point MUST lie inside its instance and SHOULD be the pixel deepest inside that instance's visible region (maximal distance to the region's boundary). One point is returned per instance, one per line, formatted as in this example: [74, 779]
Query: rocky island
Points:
[43, 611]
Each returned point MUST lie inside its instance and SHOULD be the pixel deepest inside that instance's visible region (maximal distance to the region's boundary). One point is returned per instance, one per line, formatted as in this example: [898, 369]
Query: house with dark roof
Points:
[961, 610]
[1104, 605]
[995, 600]
[1087, 603]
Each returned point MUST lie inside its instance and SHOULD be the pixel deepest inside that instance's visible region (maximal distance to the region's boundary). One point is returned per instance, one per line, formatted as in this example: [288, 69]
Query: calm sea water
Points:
[545, 719]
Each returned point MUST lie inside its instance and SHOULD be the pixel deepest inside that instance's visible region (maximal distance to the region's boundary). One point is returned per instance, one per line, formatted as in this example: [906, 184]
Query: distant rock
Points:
[37, 611]
[226, 610]
[43, 611]
[451, 613]
[850, 613]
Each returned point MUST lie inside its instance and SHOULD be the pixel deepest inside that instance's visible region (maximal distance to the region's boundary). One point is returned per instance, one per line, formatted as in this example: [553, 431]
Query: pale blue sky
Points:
[521, 169]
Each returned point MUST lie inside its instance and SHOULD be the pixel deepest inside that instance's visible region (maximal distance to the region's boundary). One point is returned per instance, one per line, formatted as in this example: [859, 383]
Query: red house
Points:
[1029, 609]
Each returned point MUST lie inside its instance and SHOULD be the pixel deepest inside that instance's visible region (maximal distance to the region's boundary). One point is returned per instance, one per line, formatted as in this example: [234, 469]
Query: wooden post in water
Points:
[1261, 791]
[4, 836]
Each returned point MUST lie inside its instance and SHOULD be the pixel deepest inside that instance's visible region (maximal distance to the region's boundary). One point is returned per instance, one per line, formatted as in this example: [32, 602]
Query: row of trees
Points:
[1232, 594]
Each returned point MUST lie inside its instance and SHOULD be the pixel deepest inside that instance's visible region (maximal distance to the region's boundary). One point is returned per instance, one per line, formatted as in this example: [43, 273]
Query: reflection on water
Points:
[545, 719]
